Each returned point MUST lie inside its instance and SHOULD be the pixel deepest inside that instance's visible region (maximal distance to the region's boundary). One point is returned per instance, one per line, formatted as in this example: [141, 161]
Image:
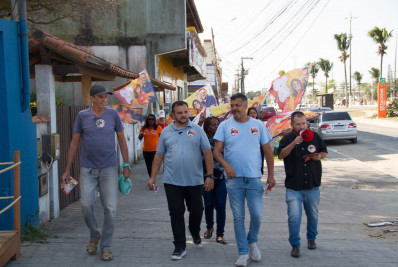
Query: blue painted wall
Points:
[17, 131]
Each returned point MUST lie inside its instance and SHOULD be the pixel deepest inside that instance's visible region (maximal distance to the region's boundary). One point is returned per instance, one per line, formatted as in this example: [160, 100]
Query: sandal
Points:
[106, 255]
[221, 240]
[92, 246]
[208, 234]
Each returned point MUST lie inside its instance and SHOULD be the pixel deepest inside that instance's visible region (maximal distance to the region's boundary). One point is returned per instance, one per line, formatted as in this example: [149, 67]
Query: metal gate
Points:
[65, 121]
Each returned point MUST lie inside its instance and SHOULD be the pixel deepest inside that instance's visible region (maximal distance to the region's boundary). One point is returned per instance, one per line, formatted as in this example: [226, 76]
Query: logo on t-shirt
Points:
[233, 131]
[100, 123]
[191, 132]
[145, 132]
[253, 130]
[311, 148]
[153, 131]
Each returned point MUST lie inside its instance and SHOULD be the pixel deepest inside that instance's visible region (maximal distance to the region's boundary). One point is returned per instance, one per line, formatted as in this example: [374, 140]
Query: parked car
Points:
[335, 125]
[267, 112]
[316, 109]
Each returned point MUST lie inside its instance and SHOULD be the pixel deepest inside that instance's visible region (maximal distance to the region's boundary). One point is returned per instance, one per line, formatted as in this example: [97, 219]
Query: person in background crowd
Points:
[162, 119]
[96, 127]
[303, 177]
[150, 132]
[217, 197]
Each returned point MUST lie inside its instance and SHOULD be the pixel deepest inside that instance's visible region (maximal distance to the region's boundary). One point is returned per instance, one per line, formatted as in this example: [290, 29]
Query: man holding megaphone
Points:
[301, 151]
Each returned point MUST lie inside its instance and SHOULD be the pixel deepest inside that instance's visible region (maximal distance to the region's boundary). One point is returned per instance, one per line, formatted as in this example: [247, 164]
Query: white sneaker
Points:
[254, 252]
[242, 260]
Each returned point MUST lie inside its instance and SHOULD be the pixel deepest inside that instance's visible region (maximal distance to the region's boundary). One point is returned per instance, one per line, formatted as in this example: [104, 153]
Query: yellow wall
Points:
[170, 74]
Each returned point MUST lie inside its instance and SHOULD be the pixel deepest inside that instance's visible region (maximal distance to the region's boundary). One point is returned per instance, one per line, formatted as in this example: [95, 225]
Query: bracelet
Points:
[126, 165]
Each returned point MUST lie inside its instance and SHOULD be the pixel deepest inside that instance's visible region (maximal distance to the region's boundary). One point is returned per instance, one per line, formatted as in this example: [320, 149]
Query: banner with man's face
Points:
[135, 98]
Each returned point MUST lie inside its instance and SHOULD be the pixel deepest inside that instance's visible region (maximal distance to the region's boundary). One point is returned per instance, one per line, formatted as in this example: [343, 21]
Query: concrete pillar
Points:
[46, 105]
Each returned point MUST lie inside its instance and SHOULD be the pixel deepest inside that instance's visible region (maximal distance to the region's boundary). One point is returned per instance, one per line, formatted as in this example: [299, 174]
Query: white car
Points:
[335, 125]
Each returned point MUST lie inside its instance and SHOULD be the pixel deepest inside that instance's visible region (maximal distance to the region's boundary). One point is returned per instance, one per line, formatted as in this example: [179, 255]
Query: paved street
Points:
[352, 193]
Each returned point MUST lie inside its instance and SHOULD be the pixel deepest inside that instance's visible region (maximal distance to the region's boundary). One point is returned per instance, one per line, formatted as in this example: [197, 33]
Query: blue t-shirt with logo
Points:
[241, 145]
[182, 150]
[98, 148]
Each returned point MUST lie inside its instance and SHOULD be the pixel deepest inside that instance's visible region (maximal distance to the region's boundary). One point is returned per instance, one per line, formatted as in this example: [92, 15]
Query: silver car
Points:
[334, 125]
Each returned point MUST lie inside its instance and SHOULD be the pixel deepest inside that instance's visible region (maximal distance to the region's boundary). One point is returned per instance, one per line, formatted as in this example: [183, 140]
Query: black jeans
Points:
[175, 200]
[149, 156]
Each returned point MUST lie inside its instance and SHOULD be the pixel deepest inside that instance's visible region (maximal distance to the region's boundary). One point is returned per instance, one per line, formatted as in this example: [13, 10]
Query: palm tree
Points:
[380, 36]
[314, 72]
[375, 73]
[326, 66]
[343, 44]
[357, 77]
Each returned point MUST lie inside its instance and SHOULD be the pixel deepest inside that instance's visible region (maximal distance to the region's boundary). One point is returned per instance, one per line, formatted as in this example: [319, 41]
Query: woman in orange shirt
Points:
[150, 132]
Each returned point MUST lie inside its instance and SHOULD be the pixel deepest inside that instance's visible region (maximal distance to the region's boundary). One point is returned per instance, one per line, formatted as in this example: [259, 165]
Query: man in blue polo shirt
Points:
[96, 127]
[181, 146]
[239, 139]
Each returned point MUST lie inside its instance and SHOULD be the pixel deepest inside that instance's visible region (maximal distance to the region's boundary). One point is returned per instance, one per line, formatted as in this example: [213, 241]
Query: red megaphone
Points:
[307, 135]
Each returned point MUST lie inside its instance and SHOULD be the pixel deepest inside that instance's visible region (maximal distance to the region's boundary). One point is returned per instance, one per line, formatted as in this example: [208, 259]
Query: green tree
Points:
[314, 72]
[343, 44]
[44, 12]
[375, 73]
[281, 72]
[380, 36]
[358, 78]
[326, 66]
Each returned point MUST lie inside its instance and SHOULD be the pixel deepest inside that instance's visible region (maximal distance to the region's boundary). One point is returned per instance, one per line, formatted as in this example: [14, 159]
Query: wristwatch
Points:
[210, 175]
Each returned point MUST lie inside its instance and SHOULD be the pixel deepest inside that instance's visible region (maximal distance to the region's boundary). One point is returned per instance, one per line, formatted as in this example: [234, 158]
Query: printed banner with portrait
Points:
[289, 88]
[135, 98]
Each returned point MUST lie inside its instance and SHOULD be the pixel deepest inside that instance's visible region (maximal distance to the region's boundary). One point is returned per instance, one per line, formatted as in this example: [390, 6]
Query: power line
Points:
[299, 41]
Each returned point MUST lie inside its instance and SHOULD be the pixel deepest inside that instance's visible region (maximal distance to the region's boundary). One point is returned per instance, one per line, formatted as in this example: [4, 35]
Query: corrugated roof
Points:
[81, 56]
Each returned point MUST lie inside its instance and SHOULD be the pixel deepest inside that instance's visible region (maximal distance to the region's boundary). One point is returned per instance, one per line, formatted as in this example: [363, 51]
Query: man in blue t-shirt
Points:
[239, 139]
[181, 145]
[96, 127]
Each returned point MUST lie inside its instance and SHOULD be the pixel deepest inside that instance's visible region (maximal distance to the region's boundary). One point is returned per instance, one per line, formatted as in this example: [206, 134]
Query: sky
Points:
[286, 34]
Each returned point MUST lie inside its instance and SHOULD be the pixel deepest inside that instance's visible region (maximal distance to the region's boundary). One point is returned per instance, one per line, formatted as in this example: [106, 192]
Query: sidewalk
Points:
[143, 233]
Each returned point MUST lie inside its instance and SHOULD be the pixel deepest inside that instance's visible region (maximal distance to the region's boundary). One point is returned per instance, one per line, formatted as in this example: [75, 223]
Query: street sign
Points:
[382, 80]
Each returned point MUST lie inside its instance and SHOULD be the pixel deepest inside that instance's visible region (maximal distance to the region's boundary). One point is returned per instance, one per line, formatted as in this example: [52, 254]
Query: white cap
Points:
[161, 114]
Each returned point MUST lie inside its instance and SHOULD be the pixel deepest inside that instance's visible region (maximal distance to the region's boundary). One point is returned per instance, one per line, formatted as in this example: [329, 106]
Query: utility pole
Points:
[218, 74]
[351, 17]
[395, 68]
[242, 75]
[237, 82]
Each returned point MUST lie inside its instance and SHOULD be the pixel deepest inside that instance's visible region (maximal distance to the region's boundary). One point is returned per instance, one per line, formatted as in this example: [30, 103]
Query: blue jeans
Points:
[105, 181]
[310, 201]
[252, 189]
[217, 199]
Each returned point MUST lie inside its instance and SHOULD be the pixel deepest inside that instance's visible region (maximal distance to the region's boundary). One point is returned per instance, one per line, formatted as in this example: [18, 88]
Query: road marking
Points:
[334, 150]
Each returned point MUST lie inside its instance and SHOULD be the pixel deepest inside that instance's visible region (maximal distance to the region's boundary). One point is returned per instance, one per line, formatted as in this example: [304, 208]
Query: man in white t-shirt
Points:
[239, 138]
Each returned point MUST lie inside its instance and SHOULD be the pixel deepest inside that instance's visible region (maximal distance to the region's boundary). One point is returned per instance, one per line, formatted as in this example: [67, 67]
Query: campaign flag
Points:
[130, 114]
[200, 100]
[138, 93]
[257, 102]
[135, 98]
[280, 124]
[289, 88]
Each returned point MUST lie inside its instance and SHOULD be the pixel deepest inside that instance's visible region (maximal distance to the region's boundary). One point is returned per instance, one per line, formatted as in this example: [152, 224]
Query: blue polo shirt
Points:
[182, 150]
[98, 148]
[241, 145]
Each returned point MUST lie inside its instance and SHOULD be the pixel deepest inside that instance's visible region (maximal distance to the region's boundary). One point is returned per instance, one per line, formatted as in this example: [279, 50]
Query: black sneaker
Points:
[197, 242]
[295, 252]
[178, 254]
[311, 244]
